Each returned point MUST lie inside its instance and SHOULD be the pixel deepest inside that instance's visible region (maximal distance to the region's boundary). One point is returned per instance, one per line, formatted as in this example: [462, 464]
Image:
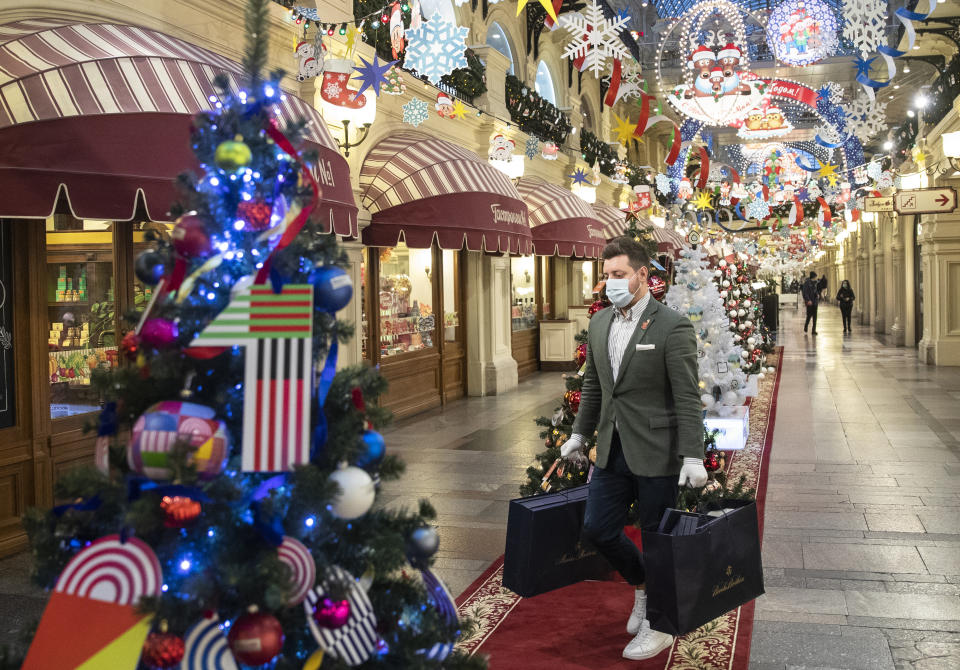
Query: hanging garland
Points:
[534, 114]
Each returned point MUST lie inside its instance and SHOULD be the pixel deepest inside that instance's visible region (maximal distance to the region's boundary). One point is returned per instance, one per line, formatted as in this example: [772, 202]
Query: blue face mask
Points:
[618, 291]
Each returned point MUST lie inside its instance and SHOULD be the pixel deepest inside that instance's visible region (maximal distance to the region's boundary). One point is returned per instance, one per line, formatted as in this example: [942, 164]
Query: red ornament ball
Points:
[255, 213]
[190, 238]
[658, 287]
[255, 638]
[162, 650]
[712, 462]
[332, 614]
[130, 345]
[581, 354]
[595, 307]
[573, 399]
[179, 511]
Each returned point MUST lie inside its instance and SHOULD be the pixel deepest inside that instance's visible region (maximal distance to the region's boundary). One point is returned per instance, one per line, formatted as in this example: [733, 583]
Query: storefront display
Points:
[407, 322]
[523, 310]
[585, 276]
[81, 311]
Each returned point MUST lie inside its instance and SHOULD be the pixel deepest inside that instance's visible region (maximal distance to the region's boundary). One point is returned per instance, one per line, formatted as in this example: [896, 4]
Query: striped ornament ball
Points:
[164, 424]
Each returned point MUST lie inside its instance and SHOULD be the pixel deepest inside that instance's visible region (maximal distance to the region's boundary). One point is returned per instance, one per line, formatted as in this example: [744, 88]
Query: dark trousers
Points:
[811, 314]
[845, 310]
[612, 490]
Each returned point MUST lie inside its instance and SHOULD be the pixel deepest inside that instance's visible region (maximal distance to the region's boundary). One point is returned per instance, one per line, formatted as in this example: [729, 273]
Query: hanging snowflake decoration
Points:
[828, 133]
[758, 209]
[436, 48]
[415, 112]
[873, 170]
[866, 118]
[832, 92]
[865, 24]
[532, 148]
[663, 184]
[595, 38]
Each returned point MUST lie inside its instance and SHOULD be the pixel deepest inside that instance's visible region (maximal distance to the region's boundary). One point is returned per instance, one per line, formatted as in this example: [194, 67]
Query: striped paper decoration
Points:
[355, 641]
[292, 552]
[112, 571]
[276, 330]
[206, 647]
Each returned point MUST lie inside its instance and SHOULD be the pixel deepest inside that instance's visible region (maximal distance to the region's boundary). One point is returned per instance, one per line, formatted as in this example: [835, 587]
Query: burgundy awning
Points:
[420, 188]
[614, 220]
[562, 222]
[101, 113]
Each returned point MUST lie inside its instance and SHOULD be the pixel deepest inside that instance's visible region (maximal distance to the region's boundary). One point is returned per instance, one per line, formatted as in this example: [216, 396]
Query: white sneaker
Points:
[647, 643]
[639, 612]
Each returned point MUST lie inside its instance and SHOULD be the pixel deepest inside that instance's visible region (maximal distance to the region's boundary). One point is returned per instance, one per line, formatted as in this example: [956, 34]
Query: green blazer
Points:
[656, 398]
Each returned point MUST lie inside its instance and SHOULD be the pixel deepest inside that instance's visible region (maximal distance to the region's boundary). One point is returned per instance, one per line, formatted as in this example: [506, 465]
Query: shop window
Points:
[407, 322]
[497, 38]
[523, 310]
[451, 308]
[82, 309]
[364, 318]
[585, 280]
[7, 397]
[544, 84]
[546, 287]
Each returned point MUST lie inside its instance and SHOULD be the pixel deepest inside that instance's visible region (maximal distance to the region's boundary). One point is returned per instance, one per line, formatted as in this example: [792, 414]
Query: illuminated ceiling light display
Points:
[802, 32]
[717, 86]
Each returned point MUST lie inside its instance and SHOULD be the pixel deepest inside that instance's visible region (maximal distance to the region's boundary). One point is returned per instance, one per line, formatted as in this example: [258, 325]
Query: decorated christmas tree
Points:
[745, 312]
[231, 518]
[694, 294]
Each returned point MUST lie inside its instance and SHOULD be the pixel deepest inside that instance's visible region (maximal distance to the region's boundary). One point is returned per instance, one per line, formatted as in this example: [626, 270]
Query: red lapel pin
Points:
[643, 326]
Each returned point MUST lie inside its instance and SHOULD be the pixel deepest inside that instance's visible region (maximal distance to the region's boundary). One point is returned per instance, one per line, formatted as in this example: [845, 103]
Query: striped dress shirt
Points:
[622, 329]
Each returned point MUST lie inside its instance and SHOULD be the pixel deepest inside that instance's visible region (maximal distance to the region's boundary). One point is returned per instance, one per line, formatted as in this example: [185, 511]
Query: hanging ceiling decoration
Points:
[717, 86]
[802, 32]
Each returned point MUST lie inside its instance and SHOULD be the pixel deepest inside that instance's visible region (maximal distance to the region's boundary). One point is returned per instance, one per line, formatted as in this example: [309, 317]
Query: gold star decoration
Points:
[624, 129]
[919, 157]
[703, 201]
[546, 4]
[829, 172]
[352, 34]
[459, 111]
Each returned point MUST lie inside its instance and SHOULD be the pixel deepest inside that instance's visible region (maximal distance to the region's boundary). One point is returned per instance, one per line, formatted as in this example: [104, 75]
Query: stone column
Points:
[491, 368]
[862, 305]
[895, 282]
[940, 252]
[909, 285]
[876, 278]
[494, 101]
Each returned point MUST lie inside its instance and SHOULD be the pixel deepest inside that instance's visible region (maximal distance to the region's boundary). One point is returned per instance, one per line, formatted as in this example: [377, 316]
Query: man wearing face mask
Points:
[640, 393]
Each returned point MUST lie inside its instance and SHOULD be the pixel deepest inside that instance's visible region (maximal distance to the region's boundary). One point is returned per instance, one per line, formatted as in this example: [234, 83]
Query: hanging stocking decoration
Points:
[333, 88]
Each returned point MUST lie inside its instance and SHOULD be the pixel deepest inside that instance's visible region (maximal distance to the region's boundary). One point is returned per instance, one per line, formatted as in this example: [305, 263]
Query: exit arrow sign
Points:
[925, 201]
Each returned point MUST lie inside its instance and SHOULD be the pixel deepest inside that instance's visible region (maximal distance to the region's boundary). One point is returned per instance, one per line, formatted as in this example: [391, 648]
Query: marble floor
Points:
[861, 545]
[862, 527]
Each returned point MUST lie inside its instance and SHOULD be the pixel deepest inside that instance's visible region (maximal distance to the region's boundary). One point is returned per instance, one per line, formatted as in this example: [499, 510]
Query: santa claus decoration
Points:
[444, 106]
[398, 40]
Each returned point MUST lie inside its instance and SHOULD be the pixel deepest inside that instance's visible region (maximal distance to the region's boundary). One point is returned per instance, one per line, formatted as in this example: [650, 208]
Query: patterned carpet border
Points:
[722, 644]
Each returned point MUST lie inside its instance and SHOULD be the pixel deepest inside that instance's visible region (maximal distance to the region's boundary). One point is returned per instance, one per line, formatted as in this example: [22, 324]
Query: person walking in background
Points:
[845, 298]
[821, 287]
[640, 390]
[811, 297]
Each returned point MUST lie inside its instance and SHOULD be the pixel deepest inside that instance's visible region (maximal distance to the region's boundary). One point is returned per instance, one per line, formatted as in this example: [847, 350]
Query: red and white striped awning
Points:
[562, 222]
[668, 241]
[102, 112]
[421, 188]
[614, 220]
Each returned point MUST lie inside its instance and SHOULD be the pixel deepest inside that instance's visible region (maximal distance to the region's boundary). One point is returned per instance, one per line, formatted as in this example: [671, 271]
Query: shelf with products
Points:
[406, 292]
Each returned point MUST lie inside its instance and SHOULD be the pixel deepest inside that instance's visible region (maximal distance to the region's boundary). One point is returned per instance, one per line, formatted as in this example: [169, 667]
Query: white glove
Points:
[571, 450]
[692, 474]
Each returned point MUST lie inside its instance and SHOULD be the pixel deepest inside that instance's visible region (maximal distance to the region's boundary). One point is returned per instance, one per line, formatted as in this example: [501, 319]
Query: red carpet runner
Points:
[584, 625]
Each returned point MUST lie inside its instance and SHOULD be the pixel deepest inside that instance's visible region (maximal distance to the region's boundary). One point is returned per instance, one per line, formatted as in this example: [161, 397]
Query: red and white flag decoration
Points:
[548, 20]
[646, 121]
[276, 329]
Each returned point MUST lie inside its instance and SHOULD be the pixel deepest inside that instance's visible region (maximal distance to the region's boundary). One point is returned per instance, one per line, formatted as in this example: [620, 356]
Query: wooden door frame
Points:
[458, 300]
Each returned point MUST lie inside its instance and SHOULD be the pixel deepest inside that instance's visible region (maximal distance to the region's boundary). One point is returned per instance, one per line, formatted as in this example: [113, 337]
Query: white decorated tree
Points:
[695, 295]
[744, 310]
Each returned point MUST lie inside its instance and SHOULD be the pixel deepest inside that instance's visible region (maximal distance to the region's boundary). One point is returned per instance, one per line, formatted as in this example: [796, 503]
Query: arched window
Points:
[445, 7]
[587, 115]
[544, 84]
[497, 38]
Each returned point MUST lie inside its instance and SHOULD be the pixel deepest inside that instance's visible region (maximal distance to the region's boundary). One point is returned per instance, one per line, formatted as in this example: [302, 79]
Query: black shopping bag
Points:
[701, 566]
[544, 550]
